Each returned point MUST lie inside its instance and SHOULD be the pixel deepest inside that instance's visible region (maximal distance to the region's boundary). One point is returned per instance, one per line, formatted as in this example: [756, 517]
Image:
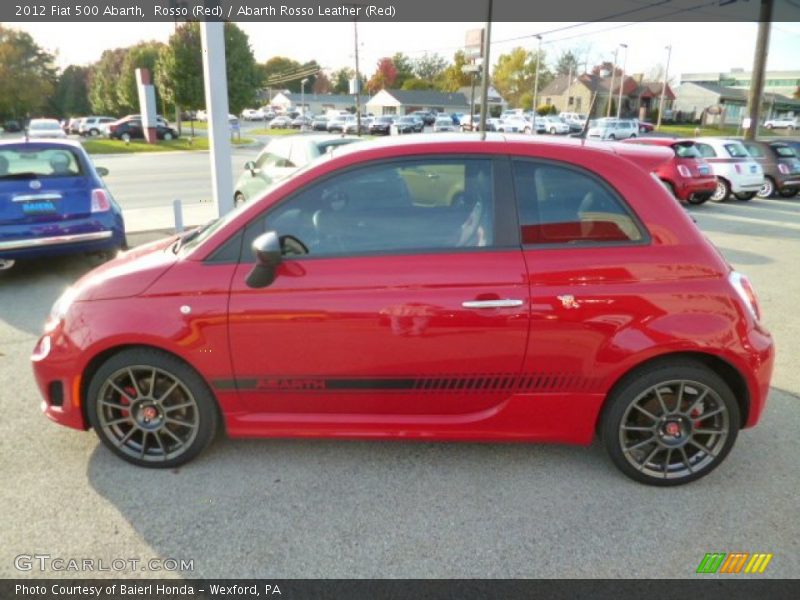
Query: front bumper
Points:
[58, 376]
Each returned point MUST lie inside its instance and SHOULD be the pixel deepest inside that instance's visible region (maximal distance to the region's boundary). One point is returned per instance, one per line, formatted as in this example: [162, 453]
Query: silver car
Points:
[282, 156]
[613, 129]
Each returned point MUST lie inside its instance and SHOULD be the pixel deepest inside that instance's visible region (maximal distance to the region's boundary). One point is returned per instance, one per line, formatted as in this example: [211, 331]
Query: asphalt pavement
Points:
[310, 508]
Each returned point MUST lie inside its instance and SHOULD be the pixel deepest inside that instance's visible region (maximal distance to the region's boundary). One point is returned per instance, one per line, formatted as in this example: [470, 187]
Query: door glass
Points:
[408, 205]
[559, 205]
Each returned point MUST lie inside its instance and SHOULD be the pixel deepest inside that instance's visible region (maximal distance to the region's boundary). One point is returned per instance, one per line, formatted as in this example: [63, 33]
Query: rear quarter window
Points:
[566, 205]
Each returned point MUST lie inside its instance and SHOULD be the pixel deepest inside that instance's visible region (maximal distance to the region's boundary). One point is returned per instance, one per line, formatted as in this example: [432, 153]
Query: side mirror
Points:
[102, 171]
[267, 250]
[250, 166]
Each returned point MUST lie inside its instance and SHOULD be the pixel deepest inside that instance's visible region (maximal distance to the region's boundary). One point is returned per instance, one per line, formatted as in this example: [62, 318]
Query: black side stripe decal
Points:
[529, 382]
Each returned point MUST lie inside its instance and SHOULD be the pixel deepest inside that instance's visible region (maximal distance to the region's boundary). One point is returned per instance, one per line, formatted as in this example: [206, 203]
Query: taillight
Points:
[745, 290]
[684, 171]
[738, 167]
[783, 168]
[100, 201]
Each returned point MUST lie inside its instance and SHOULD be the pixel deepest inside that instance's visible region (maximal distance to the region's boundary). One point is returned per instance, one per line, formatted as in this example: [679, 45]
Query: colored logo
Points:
[734, 563]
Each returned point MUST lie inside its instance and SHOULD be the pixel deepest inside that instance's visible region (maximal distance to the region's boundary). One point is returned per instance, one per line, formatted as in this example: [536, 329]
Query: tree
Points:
[453, 76]
[322, 85]
[142, 56]
[341, 80]
[605, 68]
[384, 76]
[404, 67]
[27, 74]
[513, 74]
[71, 97]
[429, 67]
[243, 75]
[415, 83]
[179, 69]
[104, 77]
[288, 74]
[567, 63]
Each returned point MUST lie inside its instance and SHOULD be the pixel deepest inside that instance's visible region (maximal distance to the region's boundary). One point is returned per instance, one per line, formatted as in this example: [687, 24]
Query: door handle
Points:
[507, 303]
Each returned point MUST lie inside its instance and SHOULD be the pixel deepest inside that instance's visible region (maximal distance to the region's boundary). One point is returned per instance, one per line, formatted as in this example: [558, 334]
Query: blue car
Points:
[53, 202]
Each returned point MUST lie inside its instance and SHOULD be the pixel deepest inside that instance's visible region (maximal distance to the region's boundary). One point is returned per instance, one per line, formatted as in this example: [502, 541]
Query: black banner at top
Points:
[394, 10]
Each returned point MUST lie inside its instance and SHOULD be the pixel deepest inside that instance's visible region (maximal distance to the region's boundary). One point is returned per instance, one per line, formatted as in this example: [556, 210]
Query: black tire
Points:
[697, 199]
[745, 196]
[676, 427]
[168, 136]
[722, 192]
[94, 132]
[787, 192]
[127, 432]
[125, 137]
[239, 199]
[612, 137]
[768, 189]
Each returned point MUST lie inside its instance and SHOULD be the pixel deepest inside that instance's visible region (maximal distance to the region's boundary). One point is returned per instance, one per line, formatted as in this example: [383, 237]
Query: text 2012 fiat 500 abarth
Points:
[437, 288]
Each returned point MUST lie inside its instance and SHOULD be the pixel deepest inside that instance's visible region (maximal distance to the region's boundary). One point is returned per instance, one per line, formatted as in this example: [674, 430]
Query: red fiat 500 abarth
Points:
[437, 288]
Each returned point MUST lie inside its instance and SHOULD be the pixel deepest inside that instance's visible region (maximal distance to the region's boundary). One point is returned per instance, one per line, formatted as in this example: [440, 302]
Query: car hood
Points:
[130, 273]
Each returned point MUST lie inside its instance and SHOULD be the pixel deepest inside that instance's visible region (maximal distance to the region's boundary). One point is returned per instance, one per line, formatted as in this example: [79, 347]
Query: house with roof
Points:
[496, 102]
[713, 104]
[314, 103]
[575, 94]
[403, 102]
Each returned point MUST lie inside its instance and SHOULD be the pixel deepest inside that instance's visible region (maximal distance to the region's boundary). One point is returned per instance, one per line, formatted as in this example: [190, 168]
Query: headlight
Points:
[60, 307]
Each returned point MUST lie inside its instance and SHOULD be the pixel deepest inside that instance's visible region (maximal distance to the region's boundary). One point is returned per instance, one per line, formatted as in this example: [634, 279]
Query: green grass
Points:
[689, 130]
[97, 146]
[273, 132]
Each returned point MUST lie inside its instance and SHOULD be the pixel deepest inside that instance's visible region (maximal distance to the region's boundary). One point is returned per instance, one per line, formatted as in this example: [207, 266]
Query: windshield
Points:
[28, 163]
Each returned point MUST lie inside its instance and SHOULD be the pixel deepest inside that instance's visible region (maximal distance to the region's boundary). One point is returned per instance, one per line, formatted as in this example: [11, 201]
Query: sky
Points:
[696, 47]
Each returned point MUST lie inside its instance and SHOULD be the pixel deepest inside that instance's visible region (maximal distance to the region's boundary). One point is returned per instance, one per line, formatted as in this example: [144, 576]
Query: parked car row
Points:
[710, 168]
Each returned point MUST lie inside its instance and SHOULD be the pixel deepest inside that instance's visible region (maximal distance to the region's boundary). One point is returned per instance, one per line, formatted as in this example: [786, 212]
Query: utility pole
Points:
[622, 80]
[611, 85]
[663, 88]
[759, 65]
[485, 83]
[536, 86]
[569, 88]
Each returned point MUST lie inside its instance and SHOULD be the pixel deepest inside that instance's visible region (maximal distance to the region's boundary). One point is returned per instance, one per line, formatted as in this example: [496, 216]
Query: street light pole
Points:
[358, 81]
[622, 80]
[663, 88]
[536, 86]
[611, 84]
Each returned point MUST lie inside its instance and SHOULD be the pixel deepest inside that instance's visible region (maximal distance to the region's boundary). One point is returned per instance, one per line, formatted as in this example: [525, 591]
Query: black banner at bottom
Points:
[397, 589]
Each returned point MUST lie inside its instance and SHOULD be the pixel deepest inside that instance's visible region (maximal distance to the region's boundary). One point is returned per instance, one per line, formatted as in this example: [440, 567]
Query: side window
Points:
[559, 205]
[408, 205]
[706, 151]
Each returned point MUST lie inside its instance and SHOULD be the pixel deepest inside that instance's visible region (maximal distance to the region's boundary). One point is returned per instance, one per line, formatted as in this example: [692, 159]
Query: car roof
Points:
[43, 143]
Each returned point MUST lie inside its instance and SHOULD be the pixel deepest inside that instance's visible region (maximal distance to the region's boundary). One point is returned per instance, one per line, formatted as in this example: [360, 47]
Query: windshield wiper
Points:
[191, 235]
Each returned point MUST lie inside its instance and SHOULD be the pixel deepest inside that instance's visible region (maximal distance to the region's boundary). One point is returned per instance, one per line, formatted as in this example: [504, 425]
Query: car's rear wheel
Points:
[94, 132]
[125, 137]
[697, 198]
[722, 191]
[787, 192]
[745, 196]
[151, 409]
[670, 423]
[168, 136]
[768, 189]
[612, 137]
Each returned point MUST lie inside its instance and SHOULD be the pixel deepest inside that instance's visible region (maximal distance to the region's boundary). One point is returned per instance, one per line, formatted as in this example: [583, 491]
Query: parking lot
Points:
[289, 508]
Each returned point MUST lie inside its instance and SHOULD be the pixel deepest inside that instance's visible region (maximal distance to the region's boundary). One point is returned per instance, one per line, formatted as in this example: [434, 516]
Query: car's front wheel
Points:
[151, 409]
[670, 423]
[168, 136]
[126, 137]
[238, 199]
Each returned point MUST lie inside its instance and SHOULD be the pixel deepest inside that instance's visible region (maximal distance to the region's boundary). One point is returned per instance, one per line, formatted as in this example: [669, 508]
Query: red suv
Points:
[688, 176]
[433, 288]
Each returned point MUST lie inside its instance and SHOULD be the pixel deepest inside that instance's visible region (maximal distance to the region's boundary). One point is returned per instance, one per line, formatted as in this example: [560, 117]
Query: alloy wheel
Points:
[674, 429]
[148, 413]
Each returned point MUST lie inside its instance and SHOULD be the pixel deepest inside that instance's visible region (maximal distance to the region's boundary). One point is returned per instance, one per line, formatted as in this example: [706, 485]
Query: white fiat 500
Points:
[737, 173]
